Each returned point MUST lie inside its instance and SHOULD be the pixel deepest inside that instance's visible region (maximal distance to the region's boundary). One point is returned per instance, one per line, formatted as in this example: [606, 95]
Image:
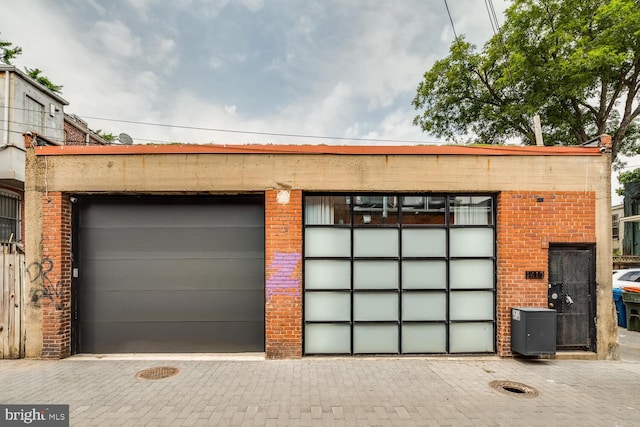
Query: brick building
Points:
[304, 250]
[77, 132]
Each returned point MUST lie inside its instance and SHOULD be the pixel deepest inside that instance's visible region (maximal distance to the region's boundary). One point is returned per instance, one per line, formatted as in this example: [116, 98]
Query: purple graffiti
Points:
[281, 280]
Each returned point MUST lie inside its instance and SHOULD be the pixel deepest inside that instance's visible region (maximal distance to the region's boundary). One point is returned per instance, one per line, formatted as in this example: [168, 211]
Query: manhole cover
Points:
[157, 373]
[513, 388]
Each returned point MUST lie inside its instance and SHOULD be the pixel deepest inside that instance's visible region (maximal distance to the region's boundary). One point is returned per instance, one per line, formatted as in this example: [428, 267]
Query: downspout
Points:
[5, 138]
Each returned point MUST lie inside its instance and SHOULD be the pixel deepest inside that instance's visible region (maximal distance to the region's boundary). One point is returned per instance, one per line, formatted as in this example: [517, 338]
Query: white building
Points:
[25, 106]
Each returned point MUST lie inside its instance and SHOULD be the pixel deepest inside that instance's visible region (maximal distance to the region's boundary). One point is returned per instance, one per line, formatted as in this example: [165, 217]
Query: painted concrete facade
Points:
[17, 90]
[573, 182]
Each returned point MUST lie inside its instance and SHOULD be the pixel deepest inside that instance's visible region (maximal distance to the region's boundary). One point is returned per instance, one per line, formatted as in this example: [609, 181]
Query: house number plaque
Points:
[534, 274]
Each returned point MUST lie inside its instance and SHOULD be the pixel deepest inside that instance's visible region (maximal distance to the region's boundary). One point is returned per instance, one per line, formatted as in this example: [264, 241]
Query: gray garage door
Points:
[170, 275]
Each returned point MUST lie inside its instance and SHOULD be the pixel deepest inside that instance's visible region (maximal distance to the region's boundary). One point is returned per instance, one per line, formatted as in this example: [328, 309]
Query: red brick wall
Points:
[73, 135]
[55, 272]
[283, 288]
[526, 226]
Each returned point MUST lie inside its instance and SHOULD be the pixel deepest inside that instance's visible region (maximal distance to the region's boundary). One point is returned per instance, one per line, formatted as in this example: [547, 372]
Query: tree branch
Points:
[578, 125]
[490, 89]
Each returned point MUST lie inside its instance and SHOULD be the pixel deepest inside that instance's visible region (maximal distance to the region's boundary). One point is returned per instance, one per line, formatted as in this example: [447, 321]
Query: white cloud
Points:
[345, 69]
[281, 64]
[380, 59]
[215, 63]
[380, 62]
[162, 53]
[202, 10]
[337, 100]
[231, 109]
[305, 25]
[353, 131]
[190, 110]
[142, 7]
[146, 83]
[239, 57]
[116, 38]
[398, 125]
[98, 8]
[253, 5]
[471, 19]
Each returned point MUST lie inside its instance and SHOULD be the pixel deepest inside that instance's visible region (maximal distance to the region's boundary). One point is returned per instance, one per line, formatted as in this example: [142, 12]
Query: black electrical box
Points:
[533, 331]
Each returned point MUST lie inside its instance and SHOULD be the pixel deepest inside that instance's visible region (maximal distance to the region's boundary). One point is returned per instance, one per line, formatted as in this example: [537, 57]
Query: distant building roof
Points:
[82, 126]
[25, 76]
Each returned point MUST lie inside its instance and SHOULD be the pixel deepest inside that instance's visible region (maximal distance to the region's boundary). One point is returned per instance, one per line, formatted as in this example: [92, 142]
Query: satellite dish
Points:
[125, 139]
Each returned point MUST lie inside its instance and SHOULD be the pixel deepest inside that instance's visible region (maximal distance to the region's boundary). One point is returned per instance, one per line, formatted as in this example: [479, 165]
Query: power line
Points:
[493, 27]
[245, 132]
[249, 147]
[234, 131]
[493, 17]
[61, 141]
[451, 20]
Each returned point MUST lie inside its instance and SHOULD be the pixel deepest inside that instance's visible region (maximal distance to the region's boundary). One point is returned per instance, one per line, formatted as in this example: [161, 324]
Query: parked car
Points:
[624, 278]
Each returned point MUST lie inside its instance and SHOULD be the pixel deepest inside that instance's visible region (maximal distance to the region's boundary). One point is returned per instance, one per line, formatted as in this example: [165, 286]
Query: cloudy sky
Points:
[329, 68]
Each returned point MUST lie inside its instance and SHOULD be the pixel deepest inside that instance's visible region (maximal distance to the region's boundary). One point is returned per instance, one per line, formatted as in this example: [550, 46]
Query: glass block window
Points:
[399, 273]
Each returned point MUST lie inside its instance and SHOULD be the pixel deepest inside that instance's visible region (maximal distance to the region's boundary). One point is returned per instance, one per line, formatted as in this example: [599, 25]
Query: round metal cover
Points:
[157, 373]
[514, 388]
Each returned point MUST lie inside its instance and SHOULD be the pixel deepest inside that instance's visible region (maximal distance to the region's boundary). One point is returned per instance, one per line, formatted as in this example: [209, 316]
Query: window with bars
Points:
[9, 217]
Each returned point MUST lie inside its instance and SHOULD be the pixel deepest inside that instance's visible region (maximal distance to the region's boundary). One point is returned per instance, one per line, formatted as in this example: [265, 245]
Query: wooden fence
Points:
[12, 300]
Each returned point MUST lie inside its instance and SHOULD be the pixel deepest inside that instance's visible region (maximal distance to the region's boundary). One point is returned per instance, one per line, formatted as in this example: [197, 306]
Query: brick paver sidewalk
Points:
[330, 392]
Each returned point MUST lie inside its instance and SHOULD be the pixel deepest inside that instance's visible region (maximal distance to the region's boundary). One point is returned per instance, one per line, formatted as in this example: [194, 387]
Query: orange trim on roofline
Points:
[477, 150]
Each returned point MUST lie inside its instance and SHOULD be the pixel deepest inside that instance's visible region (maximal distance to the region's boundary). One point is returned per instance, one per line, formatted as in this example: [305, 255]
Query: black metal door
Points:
[571, 294]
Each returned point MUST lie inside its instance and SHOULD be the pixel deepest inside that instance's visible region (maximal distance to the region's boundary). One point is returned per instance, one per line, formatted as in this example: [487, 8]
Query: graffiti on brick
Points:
[281, 281]
[42, 285]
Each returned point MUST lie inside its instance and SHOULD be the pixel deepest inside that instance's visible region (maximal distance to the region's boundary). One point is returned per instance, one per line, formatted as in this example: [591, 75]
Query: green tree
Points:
[35, 74]
[576, 63]
[8, 52]
[109, 137]
[627, 177]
